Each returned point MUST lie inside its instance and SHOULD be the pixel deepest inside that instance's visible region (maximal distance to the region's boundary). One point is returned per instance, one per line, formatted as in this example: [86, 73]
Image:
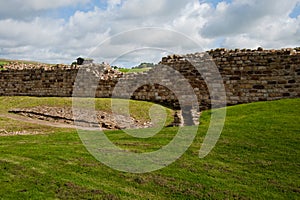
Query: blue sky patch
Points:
[296, 11]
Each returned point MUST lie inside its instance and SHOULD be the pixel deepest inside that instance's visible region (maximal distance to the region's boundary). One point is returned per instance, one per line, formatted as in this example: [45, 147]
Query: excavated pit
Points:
[83, 117]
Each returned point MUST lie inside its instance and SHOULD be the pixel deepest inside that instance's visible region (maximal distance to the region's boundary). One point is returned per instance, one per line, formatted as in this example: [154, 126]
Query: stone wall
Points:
[248, 76]
[55, 81]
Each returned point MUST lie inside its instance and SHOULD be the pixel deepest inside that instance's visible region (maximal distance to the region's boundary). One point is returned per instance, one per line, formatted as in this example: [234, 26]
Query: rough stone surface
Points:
[83, 117]
[248, 76]
[4, 132]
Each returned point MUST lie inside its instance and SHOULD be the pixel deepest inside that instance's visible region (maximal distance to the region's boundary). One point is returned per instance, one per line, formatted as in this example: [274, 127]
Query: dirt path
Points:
[45, 123]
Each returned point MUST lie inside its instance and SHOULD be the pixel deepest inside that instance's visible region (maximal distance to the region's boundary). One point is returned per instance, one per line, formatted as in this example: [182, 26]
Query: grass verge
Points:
[256, 157]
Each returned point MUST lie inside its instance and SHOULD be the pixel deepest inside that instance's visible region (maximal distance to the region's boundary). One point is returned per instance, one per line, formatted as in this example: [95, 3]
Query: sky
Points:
[128, 32]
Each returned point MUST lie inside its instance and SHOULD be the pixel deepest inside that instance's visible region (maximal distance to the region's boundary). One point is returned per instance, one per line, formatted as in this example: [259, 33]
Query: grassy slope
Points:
[257, 157]
[134, 70]
[7, 61]
[3, 62]
[138, 110]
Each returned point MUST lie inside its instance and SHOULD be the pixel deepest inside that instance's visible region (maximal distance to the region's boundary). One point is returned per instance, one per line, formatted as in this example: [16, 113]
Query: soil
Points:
[83, 119]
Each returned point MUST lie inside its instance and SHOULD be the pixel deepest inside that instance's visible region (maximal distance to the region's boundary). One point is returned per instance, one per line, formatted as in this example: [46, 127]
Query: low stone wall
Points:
[248, 76]
[55, 81]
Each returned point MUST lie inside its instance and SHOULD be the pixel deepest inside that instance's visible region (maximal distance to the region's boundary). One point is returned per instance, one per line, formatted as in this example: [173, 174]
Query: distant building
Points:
[84, 61]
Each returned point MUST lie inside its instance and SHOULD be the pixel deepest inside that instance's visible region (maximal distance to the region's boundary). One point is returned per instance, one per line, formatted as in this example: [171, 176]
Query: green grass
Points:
[138, 109]
[134, 70]
[256, 157]
[3, 62]
[7, 61]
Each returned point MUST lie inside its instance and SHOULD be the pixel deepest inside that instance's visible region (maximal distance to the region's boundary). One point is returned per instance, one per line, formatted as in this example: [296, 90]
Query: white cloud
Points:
[243, 15]
[28, 9]
[37, 4]
[154, 9]
[241, 23]
[39, 32]
[112, 3]
[249, 24]
[192, 19]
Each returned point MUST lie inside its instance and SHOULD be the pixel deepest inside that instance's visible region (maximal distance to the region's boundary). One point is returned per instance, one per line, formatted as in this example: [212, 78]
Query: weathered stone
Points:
[252, 74]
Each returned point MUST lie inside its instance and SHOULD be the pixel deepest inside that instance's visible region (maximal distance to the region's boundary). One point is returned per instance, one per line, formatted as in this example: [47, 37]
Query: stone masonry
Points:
[248, 76]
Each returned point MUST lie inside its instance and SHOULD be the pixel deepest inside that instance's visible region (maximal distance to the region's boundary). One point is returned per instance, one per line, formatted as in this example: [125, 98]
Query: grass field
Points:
[134, 70]
[7, 61]
[138, 110]
[3, 62]
[256, 157]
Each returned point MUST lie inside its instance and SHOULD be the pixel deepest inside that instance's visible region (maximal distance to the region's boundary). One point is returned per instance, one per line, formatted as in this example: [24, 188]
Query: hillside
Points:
[256, 157]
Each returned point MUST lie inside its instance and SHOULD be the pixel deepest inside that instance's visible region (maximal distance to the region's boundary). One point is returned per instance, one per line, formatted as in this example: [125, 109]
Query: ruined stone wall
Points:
[37, 82]
[56, 81]
[248, 76]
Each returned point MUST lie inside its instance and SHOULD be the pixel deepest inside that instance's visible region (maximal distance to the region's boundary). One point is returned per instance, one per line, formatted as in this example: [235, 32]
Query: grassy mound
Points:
[256, 157]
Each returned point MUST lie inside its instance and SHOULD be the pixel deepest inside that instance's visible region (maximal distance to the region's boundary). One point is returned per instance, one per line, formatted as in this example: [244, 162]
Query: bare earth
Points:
[64, 118]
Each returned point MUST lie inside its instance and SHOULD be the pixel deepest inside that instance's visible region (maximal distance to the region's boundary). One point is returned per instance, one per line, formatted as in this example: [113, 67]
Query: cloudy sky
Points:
[126, 32]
